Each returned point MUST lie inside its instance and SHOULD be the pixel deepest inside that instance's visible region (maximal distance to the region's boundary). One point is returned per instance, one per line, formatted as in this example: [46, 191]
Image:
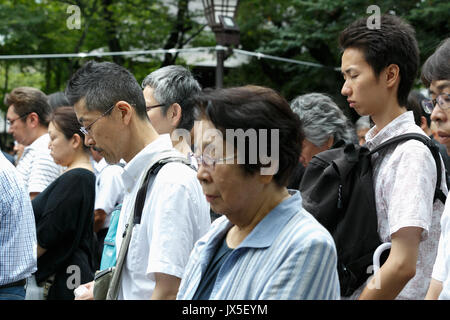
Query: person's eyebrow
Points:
[443, 85]
[347, 71]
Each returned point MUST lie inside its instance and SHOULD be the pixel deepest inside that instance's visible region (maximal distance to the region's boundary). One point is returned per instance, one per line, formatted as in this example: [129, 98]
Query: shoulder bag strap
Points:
[134, 219]
[438, 193]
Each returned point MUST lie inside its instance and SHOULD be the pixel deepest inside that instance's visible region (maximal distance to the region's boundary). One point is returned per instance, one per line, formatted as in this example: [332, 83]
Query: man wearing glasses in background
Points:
[169, 94]
[110, 106]
[436, 77]
[27, 119]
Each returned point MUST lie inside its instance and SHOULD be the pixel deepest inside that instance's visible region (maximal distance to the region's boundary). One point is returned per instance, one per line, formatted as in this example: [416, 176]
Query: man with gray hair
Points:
[323, 123]
[169, 94]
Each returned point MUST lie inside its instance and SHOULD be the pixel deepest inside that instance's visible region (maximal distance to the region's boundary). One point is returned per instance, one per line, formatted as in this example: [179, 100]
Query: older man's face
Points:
[440, 91]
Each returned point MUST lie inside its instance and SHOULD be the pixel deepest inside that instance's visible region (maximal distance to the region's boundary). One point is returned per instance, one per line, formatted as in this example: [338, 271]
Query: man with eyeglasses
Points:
[27, 119]
[169, 94]
[436, 77]
[111, 109]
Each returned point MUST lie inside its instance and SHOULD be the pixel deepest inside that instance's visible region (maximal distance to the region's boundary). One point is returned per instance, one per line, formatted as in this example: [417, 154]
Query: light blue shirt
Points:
[288, 255]
[18, 255]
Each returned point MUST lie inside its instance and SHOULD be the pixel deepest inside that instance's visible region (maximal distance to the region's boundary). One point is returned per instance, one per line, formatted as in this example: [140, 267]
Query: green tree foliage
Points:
[309, 31]
[304, 30]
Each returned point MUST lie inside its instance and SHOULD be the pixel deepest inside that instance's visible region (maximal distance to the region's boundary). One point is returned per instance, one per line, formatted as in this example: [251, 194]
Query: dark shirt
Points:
[445, 159]
[208, 279]
[296, 177]
[64, 214]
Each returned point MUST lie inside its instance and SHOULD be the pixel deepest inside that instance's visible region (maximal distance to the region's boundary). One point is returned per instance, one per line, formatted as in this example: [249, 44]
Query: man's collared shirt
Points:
[441, 269]
[174, 217]
[404, 177]
[288, 255]
[108, 189]
[18, 253]
[36, 166]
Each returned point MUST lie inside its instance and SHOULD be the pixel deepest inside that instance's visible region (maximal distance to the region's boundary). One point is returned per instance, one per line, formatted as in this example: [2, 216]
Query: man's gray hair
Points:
[322, 119]
[175, 84]
[363, 123]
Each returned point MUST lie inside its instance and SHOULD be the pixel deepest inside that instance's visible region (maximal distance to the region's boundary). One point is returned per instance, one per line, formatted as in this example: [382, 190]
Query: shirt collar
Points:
[265, 232]
[394, 128]
[39, 143]
[134, 169]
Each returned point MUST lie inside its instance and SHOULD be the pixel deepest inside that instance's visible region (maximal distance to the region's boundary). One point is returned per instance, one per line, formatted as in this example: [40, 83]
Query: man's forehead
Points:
[11, 109]
[438, 86]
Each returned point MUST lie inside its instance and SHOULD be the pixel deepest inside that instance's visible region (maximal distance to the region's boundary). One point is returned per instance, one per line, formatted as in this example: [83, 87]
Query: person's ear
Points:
[33, 119]
[125, 111]
[76, 141]
[174, 114]
[423, 123]
[392, 75]
[330, 142]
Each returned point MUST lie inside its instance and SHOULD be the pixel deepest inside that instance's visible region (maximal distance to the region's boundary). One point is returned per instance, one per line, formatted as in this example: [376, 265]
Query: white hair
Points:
[322, 119]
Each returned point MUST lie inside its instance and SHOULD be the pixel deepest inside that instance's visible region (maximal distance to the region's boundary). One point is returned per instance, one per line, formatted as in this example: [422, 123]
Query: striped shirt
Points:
[36, 166]
[18, 255]
[288, 255]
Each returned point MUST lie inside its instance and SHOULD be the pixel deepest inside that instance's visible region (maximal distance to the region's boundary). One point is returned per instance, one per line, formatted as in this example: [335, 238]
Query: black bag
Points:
[337, 189]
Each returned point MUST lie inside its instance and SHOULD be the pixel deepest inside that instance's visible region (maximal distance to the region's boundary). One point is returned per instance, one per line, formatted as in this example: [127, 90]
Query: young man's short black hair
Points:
[393, 43]
[437, 66]
[102, 84]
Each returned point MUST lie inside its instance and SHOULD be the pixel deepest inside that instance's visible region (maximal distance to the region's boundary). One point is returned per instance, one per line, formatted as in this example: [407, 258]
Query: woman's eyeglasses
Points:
[443, 100]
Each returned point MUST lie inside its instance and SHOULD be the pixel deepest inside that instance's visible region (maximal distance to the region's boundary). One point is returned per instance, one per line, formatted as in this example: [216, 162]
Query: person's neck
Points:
[81, 160]
[255, 214]
[391, 112]
[37, 133]
[141, 135]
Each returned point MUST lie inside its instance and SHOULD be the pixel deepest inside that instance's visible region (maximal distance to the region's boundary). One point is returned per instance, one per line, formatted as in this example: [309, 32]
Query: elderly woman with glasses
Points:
[265, 245]
[64, 213]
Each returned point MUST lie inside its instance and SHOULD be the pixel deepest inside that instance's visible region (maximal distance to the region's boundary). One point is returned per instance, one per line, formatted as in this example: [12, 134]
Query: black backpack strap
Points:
[438, 194]
[140, 198]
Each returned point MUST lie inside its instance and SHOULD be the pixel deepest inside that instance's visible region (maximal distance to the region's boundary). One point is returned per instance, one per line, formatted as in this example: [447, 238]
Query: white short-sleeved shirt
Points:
[174, 217]
[404, 177]
[36, 166]
[109, 188]
[441, 270]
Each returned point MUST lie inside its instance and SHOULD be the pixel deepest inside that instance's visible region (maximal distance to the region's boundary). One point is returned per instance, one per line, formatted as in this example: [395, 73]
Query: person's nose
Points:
[346, 89]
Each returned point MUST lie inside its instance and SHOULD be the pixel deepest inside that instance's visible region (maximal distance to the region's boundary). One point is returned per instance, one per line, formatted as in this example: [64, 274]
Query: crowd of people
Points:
[226, 221]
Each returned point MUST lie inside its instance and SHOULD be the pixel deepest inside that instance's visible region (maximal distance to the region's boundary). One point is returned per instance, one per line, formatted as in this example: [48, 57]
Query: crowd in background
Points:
[221, 225]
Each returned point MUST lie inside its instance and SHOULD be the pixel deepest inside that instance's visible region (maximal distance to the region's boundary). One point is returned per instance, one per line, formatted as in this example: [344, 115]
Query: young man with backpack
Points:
[379, 67]
[436, 77]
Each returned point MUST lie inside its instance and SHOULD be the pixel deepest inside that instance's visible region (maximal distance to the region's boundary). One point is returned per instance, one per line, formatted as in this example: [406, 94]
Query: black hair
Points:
[253, 107]
[393, 43]
[102, 84]
[437, 66]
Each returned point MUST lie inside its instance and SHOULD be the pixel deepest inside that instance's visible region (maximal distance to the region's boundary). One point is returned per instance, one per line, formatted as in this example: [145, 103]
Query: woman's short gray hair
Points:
[322, 119]
[363, 123]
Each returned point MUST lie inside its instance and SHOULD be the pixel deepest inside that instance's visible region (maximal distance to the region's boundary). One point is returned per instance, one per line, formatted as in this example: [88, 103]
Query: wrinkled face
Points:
[309, 150]
[226, 186]
[104, 135]
[157, 118]
[61, 149]
[441, 115]
[364, 92]
[18, 126]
